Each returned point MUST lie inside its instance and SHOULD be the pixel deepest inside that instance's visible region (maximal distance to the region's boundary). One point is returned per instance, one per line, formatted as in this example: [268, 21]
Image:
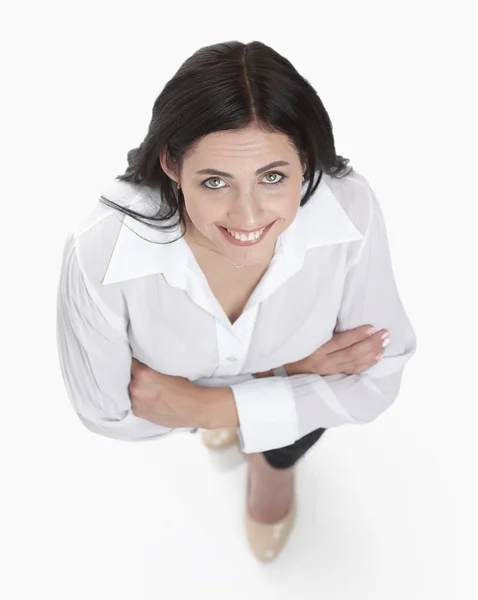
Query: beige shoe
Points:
[266, 540]
[220, 438]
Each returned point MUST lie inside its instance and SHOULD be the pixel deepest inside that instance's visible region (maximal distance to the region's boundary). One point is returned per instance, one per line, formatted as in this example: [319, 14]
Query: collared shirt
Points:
[121, 296]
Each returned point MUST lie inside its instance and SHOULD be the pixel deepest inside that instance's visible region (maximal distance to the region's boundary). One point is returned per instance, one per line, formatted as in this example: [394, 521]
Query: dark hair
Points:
[229, 86]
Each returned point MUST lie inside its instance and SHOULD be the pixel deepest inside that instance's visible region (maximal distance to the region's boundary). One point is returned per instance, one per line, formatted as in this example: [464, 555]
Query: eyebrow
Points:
[277, 163]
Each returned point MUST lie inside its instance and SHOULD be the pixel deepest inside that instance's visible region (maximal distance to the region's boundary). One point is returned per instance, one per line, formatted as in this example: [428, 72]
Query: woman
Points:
[228, 281]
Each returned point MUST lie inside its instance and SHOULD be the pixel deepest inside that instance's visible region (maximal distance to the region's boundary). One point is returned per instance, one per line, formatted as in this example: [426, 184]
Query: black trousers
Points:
[283, 458]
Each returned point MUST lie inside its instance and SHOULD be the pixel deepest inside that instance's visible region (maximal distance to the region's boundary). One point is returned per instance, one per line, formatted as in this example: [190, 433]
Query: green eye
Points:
[211, 188]
[270, 183]
[273, 173]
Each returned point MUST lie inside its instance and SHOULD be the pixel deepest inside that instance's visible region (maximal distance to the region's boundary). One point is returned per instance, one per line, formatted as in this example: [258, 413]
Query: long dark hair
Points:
[230, 86]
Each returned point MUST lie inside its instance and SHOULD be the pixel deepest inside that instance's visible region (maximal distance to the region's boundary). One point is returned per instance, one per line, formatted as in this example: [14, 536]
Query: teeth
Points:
[242, 237]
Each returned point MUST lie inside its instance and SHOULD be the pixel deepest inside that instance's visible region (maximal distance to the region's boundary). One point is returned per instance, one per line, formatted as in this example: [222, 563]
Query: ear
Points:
[168, 165]
[305, 167]
[304, 163]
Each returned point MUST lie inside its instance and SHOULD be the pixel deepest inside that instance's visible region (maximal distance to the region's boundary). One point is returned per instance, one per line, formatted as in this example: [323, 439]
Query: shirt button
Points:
[231, 358]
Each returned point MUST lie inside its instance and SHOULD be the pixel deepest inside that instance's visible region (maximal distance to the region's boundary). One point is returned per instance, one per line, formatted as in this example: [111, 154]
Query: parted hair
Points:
[230, 86]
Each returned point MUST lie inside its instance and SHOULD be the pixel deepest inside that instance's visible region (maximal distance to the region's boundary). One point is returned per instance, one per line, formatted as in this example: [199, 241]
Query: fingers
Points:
[373, 343]
[344, 339]
[362, 364]
[361, 355]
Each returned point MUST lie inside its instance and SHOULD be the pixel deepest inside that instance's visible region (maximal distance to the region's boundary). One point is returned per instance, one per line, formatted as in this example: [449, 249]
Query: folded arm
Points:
[95, 358]
[276, 411]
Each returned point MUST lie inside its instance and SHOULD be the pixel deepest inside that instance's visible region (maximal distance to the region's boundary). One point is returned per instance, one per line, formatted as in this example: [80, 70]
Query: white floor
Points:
[93, 518]
[388, 510]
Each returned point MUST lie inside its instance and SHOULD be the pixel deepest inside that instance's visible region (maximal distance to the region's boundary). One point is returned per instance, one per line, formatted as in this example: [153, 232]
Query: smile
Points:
[242, 239]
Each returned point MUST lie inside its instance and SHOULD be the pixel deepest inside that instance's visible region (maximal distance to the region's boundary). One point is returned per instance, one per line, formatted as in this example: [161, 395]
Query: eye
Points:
[214, 187]
[269, 183]
[275, 182]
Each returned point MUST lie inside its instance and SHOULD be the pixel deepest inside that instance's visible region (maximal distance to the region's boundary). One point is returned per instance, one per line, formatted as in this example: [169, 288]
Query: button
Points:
[231, 359]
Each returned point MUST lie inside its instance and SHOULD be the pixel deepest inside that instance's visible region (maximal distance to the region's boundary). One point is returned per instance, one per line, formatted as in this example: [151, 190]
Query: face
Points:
[229, 183]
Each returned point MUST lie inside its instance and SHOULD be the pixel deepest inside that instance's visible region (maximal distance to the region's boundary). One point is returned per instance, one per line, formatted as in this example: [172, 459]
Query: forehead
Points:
[247, 144]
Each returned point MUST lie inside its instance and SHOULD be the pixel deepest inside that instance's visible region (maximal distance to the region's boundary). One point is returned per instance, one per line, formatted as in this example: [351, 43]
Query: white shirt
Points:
[120, 295]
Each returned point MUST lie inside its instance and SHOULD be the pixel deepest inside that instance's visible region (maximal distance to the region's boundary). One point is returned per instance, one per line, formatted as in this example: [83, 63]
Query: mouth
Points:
[241, 239]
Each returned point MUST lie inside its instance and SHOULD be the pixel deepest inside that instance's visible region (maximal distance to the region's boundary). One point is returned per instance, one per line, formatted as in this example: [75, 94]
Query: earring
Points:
[179, 185]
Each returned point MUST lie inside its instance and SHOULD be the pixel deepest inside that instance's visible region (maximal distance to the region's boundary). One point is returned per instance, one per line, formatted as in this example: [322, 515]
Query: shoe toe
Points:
[220, 438]
[266, 540]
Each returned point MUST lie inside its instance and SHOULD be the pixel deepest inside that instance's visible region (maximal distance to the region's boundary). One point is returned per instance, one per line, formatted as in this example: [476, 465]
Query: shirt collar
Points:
[322, 221]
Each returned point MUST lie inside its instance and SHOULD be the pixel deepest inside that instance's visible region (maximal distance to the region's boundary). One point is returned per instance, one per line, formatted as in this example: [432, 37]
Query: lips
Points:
[246, 231]
[231, 239]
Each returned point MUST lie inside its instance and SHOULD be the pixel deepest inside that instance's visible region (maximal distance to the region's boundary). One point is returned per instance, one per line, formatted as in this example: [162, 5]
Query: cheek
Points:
[290, 209]
[203, 213]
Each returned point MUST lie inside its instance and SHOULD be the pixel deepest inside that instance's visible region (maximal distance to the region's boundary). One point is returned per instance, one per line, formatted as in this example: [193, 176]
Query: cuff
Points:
[267, 414]
[280, 372]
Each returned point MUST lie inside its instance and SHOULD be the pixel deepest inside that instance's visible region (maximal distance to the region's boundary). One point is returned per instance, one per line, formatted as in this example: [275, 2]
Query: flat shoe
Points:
[220, 438]
[266, 540]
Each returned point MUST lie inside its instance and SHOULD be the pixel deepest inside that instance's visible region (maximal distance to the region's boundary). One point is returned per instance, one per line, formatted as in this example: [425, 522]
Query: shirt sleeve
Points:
[277, 411]
[95, 357]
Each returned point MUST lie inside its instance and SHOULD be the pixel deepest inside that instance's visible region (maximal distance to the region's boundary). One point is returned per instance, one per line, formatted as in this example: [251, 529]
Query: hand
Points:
[165, 399]
[350, 352]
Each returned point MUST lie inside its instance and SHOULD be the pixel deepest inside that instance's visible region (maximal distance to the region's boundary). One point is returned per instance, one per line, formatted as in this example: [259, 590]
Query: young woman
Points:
[229, 279]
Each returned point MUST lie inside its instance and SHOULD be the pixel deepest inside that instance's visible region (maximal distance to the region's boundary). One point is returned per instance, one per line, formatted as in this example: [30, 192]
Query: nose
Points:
[246, 212]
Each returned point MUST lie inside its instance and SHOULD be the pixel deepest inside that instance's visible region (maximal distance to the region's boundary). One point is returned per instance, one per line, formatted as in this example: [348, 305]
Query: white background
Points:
[386, 510]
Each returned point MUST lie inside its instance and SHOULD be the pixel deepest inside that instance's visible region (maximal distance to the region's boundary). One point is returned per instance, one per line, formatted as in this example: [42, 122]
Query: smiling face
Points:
[240, 180]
